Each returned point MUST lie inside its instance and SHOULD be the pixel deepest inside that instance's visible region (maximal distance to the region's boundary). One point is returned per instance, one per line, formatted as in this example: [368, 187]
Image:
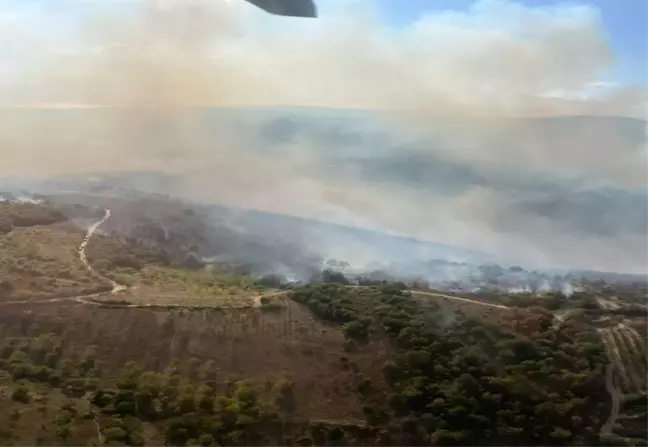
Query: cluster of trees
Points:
[334, 302]
[550, 300]
[473, 384]
[122, 430]
[15, 214]
[41, 360]
[456, 381]
[192, 413]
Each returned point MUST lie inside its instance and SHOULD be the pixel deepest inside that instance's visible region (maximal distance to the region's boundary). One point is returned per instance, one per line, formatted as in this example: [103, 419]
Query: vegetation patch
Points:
[21, 215]
[459, 381]
[42, 262]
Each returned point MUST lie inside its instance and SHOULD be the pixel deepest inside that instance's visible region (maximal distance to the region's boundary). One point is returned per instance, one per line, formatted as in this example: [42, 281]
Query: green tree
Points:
[355, 329]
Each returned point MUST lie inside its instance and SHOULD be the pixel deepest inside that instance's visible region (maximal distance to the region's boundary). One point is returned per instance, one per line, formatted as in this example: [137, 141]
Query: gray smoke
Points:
[456, 154]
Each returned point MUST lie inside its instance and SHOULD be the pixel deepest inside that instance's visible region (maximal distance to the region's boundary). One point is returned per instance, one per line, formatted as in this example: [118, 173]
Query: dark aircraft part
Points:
[292, 8]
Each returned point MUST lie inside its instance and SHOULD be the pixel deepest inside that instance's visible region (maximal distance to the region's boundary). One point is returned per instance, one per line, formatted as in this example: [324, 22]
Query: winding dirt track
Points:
[85, 299]
[90, 299]
[615, 394]
[116, 288]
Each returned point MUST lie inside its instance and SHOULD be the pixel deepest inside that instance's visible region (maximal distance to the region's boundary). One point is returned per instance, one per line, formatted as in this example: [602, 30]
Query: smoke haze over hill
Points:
[457, 154]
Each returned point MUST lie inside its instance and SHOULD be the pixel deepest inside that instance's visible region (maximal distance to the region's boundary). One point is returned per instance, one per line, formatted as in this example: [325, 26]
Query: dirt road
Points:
[116, 288]
[465, 300]
[450, 297]
[616, 396]
[90, 299]
[84, 299]
[119, 288]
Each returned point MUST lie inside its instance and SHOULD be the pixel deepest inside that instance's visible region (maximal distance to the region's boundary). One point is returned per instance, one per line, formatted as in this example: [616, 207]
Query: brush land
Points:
[186, 353]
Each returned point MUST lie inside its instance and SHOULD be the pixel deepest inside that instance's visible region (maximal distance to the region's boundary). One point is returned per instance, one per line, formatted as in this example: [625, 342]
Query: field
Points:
[166, 286]
[627, 350]
[42, 262]
[627, 383]
[155, 277]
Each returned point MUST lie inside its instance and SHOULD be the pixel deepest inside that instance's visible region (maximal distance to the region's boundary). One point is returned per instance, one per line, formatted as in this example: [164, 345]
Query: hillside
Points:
[551, 185]
[39, 253]
[169, 351]
[263, 241]
[77, 344]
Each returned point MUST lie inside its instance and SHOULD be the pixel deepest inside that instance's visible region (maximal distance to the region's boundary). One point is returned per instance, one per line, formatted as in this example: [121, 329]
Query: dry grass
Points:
[110, 254]
[42, 262]
[165, 286]
[142, 268]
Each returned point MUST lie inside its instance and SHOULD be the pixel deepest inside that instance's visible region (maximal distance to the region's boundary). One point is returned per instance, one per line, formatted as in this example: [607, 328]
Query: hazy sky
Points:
[448, 168]
[539, 48]
[625, 24]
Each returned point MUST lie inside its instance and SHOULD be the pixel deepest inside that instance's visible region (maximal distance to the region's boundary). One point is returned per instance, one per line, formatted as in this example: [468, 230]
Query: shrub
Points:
[270, 307]
[20, 394]
[355, 329]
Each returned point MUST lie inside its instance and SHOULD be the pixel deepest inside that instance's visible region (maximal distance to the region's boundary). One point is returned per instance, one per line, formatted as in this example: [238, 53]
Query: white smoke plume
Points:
[137, 78]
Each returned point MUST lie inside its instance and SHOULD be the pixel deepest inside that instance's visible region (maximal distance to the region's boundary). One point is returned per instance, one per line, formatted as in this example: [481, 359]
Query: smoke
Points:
[129, 86]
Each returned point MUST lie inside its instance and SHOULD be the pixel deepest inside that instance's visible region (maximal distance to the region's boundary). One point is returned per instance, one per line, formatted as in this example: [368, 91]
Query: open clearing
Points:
[627, 350]
[164, 286]
[625, 378]
[42, 262]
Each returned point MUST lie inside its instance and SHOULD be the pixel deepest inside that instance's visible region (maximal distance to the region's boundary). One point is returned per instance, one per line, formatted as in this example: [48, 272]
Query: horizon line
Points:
[82, 106]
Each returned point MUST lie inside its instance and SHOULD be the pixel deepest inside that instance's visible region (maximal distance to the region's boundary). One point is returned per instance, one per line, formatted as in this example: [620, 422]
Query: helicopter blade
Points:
[292, 8]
